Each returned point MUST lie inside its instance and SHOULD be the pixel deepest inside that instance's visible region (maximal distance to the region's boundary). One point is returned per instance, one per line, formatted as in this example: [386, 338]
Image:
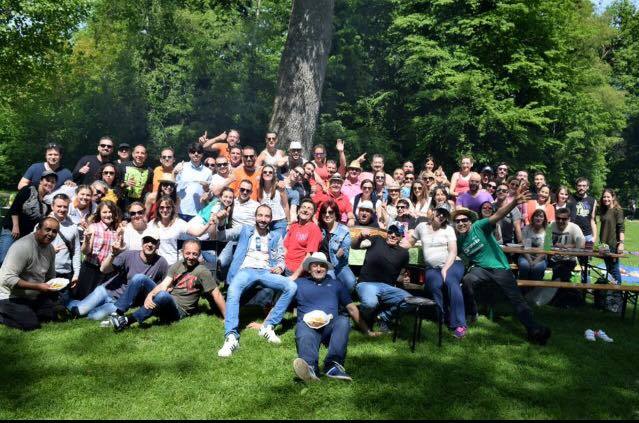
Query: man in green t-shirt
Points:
[175, 297]
[488, 264]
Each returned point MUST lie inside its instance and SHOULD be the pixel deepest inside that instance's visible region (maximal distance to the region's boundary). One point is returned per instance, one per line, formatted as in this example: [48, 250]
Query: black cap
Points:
[487, 169]
[124, 146]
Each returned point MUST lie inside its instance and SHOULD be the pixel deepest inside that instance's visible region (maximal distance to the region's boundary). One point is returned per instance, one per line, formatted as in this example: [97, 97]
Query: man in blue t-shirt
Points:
[320, 292]
[52, 163]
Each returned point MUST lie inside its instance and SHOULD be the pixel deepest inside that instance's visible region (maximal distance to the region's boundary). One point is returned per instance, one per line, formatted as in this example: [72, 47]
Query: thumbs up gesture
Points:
[84, 169]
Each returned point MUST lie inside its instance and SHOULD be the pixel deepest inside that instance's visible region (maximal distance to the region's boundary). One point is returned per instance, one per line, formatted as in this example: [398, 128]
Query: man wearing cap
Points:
[294, 157]
[385, 260]
[192, 179]
[351, 186]
[486, 177]
[477, 245]
[320, 292]
[366, 215]
[258, 259]
[87, 169]
[124, 153]
[53, 157]
[126, 267]
[176, 297]
[474, 197]
[335, 193]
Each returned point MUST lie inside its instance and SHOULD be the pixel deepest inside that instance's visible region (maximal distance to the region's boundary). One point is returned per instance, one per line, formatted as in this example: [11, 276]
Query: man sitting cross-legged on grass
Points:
[129, 266]
[327, 294]
[176, 297]
[258, 259]
[477, 244]
[383, 264]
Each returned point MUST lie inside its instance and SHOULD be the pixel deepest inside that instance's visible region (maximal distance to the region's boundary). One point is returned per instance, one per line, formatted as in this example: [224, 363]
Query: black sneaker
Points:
[118, 322]
[539, 335]
[383, 327]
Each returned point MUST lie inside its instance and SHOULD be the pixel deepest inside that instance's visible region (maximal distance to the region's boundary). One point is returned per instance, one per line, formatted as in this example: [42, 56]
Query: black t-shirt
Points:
[29, 209]
[383, 263]
[581, 210]
[94, 170]
[325, 245]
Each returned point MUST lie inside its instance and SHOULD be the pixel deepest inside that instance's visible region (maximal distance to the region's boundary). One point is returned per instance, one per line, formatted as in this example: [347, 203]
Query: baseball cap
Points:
[295, 145]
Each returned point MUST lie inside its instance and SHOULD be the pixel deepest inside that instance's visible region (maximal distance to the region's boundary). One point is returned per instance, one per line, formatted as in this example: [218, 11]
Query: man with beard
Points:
[87, 170]
[474, 197]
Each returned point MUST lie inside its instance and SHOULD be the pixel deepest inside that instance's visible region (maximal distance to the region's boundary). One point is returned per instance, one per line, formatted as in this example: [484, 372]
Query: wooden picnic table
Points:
[561, 252]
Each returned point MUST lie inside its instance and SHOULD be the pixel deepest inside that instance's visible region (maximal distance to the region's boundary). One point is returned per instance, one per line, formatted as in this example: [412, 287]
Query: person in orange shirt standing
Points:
[247, 171]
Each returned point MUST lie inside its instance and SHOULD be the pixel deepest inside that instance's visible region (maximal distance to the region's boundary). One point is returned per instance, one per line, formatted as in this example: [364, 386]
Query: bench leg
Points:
[440, 322]
[624, 304]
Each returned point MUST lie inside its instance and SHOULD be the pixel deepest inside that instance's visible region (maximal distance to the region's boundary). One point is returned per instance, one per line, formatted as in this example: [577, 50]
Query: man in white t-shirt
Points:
[565, 234]
[132, 236]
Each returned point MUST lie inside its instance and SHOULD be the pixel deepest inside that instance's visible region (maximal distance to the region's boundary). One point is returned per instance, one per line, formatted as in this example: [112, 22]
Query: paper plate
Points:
[58, 283]
[513, 245]
[317, 319]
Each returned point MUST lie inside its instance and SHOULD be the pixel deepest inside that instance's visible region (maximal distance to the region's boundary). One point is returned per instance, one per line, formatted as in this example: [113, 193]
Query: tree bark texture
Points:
[301, 72]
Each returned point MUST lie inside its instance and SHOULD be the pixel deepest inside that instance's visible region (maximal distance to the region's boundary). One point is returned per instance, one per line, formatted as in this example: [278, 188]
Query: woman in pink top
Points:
[459, 181]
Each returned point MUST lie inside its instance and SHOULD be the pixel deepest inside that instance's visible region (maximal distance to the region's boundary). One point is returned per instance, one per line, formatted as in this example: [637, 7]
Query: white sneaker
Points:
[602, 335]
[106, 323]
[268, 333]
[590, 335]
[231, 344]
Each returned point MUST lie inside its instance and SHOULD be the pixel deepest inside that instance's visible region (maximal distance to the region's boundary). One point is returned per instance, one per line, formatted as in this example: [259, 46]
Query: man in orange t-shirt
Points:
[247, 171]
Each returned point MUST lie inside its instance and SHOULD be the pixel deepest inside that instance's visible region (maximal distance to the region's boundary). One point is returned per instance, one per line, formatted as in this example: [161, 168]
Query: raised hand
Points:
[203, 139]
[339, 145]
[84, 169]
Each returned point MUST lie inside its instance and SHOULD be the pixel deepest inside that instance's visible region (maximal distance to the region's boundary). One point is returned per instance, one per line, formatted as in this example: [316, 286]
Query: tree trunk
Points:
[301, 72]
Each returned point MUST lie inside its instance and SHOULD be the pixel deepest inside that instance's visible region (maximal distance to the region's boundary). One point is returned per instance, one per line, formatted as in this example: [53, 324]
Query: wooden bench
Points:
[626, 289]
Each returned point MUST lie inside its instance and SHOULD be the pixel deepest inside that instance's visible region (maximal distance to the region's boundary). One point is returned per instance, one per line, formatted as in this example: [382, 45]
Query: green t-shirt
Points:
[480, 247]
[188, 286]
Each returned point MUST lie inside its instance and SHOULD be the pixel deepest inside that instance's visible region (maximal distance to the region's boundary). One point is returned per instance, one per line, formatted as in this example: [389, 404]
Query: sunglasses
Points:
[502, 190]
[401, 207]
[271, 138]
[329, 212]
[222, 164]
[109, 146]
[100, 193]
[492, 186]
[267, 172]
[459, 221]
[245, 190]
[108, 172]
[136, 213]
[394, 233]
[166, 157]
[249, 156]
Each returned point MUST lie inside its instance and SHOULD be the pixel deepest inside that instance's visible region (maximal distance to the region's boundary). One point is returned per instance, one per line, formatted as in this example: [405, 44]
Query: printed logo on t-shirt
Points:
[473, 246]
[582, 209]
[187, 282]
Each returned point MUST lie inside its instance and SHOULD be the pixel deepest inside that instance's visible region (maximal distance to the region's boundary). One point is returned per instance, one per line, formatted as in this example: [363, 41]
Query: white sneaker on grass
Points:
[602, 335]
[231, 344]
[304, 371]
[268, 333]
[590, 335]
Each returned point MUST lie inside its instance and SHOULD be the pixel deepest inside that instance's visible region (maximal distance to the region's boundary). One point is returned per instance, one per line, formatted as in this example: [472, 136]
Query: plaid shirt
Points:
[103, 238]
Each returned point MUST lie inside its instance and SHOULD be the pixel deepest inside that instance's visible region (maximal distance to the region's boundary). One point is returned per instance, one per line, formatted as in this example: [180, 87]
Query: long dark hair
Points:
[261, 189]
[115, 211]
[615, 204]
[158, 193]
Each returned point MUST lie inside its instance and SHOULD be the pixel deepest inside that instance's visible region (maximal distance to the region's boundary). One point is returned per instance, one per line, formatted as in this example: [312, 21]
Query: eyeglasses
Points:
[108, 172]
[459, 221]
[492, 186]
[136, 213]
[109, 146]
[166, 157]
[124, 149]
[501, 190]
[245, 190]
[394, 234]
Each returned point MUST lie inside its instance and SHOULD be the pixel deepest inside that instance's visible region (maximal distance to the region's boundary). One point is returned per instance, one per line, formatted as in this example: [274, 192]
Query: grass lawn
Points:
[78, 370]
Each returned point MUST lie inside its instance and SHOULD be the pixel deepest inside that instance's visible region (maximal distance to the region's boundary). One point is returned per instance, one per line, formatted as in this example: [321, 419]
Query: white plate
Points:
[514, 245]
[312, 319]
[58, 283]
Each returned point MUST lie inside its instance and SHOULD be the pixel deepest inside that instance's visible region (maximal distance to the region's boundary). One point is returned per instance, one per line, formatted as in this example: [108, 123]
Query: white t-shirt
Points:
[244, 214]
[275, 204]
[257, 253]
[434, 243]
[132, 238]
[169, 237]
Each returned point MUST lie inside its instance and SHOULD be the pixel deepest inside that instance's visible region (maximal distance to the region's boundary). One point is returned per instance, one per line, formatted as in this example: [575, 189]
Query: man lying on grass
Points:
[176, 297]
[319, 294]
[477, 245]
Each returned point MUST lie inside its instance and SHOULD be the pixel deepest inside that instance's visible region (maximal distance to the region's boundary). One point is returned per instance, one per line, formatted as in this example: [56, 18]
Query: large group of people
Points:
[282, 229]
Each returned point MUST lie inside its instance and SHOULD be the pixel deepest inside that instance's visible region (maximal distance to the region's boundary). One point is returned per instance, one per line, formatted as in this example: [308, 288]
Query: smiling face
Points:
[562, 196]
[191, 254]
[462, 223]
[52, 157]
[466, 164]
[331, 167]
[429, 165]
[440, 196]
[233, 138]
[486, 210]
[540, 180]
[138, 216]
[149, 246]
[319, 154]
[47, 231]
[167, 188]
[538, 220]
[335, 187]
[380, 179]
[543, 195]
[377, 164]
[47, 184]
[235, 156]
[263, 217]
[167, 158]
[408, 167]
[248, 158]
[271, 140]
[398, 176]
[227, 198]
[309, 169]
[328, 217]
[305, 212]
[393, 238]
[606, 199]
[502, 171]
[502, 192]
[165, 210]
[84, 197]
[105, 147]
[268, 173]
[317, 271]
[245, 191]
[473, 183]
[106, 215]
[562, 220]
[60, 208]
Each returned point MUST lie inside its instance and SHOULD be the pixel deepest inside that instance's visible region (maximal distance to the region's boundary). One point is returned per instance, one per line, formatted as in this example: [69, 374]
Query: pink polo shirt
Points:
[351, 189]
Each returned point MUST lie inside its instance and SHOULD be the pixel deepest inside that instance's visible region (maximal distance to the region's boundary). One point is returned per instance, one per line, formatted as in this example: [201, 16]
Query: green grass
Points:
[78, 370]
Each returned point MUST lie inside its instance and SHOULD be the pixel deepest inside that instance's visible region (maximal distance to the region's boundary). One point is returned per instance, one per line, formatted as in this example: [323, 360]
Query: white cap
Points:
[295, 145]
[366, 204]
[151, 232]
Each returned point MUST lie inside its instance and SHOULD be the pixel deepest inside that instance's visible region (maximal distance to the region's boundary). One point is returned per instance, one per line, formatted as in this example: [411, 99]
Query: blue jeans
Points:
[435, 282]
[225, 258]
[6, 239]
[279, 226]
[612, 267]
[334, 336]
[534, 272]
[374, 295]
[96, 306]
[166, 307]
[244, 280]
[345, 275]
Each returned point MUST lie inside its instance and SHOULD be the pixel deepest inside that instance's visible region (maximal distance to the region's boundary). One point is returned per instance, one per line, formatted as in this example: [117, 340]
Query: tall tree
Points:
[302, 71]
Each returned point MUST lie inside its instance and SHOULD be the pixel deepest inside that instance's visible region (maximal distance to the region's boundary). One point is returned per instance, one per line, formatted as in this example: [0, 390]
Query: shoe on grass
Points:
[338, 372]
[539, 335]
[304, 371]
[119, 322]
[602, 335]
[383, 326]
[590, 335]
[460, 332]
[268, 333]
[231, 344]
[106, 323]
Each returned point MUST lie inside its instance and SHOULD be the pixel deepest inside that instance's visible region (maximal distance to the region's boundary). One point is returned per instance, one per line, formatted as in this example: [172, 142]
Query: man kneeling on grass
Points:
[320, 292]
[176, 297]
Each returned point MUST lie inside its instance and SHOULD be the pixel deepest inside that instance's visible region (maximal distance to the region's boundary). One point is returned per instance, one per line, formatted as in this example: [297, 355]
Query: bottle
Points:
[548, 239]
